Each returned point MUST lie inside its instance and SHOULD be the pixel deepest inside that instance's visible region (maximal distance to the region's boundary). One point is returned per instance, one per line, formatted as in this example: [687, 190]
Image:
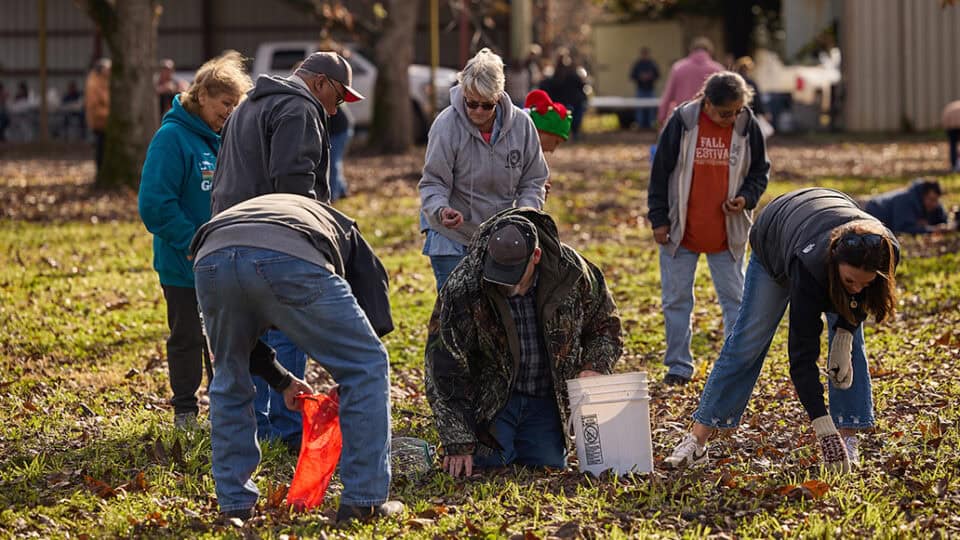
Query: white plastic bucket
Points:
[611, 422]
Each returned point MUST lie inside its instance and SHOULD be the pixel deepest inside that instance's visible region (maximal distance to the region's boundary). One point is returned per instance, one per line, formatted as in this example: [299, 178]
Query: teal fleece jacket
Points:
[174, 199]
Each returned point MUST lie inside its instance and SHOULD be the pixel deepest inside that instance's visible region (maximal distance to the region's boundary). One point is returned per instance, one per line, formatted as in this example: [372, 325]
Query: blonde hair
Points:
[223, 74]
[483, 75]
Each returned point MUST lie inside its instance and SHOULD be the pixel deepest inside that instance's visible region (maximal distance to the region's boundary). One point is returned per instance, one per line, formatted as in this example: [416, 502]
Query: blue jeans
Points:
[677, 273]
[645, 115]
[735, 373]
[531, 433]
[274, 419]
[242, 292]
[338, 147]
[442, 266]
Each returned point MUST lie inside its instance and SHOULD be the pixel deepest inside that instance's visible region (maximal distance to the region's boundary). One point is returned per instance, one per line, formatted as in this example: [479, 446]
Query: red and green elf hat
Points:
[547, 115]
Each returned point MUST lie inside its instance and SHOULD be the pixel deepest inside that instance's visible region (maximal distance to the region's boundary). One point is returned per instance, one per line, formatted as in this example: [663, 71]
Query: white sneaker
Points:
[852, 443]
[689, 452]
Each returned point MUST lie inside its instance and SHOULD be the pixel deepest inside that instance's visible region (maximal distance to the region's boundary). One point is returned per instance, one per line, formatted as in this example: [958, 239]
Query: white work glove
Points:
[832, 448]
[839, 361]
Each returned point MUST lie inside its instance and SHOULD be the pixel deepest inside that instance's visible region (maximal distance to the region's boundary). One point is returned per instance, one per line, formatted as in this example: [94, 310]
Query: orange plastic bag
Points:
[319, 451]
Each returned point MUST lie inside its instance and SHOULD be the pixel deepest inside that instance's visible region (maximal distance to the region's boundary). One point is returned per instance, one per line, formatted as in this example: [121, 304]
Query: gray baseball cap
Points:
[335, 67]
[509, 248]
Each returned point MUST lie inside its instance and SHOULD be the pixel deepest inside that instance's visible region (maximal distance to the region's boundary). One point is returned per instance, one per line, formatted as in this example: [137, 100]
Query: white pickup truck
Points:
[279, 57]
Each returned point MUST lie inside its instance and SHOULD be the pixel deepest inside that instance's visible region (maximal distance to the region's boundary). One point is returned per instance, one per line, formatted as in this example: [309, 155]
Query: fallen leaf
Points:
[433, 512]
[817, 487]
[102, 489]
[419, 523]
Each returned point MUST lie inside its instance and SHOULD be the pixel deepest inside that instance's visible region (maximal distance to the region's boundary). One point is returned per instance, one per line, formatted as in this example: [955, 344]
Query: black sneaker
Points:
[673, 379]
[348, 513]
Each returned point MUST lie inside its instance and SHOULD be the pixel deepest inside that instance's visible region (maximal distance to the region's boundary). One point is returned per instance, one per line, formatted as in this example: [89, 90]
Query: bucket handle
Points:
[576, 407]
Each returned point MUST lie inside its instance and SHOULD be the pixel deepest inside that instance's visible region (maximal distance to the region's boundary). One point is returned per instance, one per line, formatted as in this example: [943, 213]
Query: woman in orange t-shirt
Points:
[708, 174]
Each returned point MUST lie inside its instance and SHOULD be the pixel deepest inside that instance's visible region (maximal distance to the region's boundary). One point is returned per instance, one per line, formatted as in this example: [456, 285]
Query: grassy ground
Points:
[87, 448]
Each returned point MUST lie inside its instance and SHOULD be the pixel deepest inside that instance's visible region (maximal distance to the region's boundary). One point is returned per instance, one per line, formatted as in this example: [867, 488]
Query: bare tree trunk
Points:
[130, 29]
[392, 130]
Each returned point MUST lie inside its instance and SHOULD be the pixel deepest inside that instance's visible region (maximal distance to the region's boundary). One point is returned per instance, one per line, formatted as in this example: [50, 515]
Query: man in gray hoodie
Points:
[276, 141]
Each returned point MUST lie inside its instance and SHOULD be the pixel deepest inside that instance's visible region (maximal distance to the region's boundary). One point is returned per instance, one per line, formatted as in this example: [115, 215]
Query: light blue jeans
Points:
[531, 433]
[338, 147]
[442, 266]
[274, 419]
[735, 373]
[242, 292]
[677, 274]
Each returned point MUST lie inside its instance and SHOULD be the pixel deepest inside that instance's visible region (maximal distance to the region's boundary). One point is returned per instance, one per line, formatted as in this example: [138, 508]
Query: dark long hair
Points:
[880, 297]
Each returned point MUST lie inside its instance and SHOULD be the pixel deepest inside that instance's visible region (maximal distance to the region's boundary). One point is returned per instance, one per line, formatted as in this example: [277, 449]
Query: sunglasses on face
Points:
[340, 97]
[485, 105]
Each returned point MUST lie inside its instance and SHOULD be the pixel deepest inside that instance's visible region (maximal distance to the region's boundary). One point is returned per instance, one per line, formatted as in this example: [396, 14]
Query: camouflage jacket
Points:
[473, 349]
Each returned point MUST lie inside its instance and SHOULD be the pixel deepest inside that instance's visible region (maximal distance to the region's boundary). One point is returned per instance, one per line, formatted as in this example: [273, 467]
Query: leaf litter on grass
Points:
[764, 479]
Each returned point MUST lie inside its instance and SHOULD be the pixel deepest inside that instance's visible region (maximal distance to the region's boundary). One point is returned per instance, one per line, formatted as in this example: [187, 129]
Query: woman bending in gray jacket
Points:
[483, 156]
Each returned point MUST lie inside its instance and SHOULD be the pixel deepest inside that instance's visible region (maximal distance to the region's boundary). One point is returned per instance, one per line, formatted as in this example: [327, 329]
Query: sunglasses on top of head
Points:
[860, 241]
[485, 105]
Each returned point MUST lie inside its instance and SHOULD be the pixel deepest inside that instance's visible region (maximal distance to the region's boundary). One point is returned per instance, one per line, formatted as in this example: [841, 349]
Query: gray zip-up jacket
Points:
[478, 179]
[309, 230]
[274, 142]
[672, 174]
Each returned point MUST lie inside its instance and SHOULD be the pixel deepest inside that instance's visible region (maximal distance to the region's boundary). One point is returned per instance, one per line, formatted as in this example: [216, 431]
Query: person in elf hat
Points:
[552, 120]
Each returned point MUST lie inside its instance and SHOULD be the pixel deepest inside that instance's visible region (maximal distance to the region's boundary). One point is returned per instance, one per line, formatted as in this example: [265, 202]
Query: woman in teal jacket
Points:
[174, 202]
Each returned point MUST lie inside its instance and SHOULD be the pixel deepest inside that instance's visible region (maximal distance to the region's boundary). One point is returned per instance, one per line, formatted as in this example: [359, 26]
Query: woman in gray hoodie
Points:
[483, 156]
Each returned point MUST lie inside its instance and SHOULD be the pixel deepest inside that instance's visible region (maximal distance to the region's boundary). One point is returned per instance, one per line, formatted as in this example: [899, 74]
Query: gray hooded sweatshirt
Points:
[275, 141]
[476, 178]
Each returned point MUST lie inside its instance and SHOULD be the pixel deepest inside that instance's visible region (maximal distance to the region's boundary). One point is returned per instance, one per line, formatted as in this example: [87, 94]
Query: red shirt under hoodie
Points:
[706, 227]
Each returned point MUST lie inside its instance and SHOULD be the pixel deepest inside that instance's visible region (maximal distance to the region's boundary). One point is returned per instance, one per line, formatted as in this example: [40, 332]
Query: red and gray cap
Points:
[511, 243]
[335, 67]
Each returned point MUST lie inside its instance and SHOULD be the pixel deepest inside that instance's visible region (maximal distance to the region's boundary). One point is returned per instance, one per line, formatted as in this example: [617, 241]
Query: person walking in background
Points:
[167, 85]
[687, 76]
[278, 141]
[815, 250]
[341, 132]
[951, 123]
[912, 210]
[174, 201]
[96, 105]
[483, 156]
[553, 122]
[497, 383]
[567, 86]
[644, 74]
[708, 174]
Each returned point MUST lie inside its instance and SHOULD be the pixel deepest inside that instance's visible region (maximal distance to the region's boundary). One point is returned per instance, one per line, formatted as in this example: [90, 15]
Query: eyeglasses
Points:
[340, 97]
[860, 241]
[726, 115]
[486, 105]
